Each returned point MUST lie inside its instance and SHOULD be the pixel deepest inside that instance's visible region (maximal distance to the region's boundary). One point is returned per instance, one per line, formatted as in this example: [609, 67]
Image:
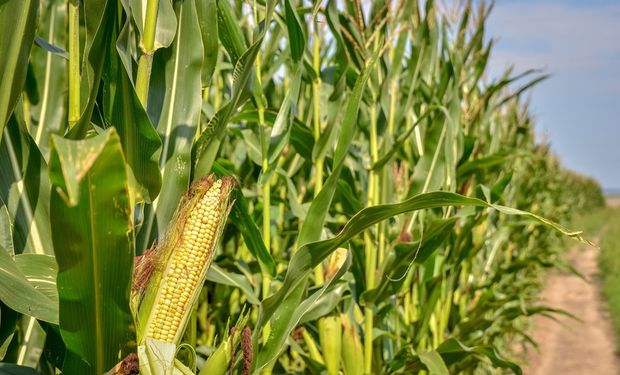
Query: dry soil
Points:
[575, 347]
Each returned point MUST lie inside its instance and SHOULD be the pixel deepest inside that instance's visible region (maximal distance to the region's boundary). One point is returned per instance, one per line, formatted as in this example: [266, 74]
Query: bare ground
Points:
[613, 201]
[569, 346]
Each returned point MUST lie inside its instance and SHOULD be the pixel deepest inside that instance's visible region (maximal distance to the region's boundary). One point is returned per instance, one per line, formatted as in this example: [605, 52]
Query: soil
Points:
[568, 346]
[613, 201]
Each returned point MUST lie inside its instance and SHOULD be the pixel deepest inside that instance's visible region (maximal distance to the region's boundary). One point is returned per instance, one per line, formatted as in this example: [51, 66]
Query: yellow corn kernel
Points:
[192, 240]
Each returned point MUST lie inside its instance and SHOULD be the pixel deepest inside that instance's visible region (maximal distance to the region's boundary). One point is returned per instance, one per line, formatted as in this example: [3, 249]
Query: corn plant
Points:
[213, 186]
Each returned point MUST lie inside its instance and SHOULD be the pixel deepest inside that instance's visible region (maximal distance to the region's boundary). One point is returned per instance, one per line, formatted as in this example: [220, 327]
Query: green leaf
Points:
[296, 35]
[282, 125]
[434, 363]
[301, 137]
[50, 71]
[175, 108]
[312, 254]
[453, 350]
[93, 234]
[400, 141]
[241, 218]
[12, 369]
[470, 167]
[206, 146]
[312, 226]
[217, 275]
[404, 256]
[207, 18]
[22, 292]
[100, 21]
[123, 110]
[288, 315]
[6, 229]
[325, 303]
[20, 17]
[24, 188]
[8, 324]
[229, 31]
[166, 23]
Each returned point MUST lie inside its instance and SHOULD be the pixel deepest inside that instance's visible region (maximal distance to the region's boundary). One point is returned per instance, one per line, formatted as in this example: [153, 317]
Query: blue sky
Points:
[578, 108]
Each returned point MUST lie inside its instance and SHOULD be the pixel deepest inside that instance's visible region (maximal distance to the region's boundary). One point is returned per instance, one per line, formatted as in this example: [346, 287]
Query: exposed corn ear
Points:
[334, 262]
[330, 332]
[352, 351]
[182, 260]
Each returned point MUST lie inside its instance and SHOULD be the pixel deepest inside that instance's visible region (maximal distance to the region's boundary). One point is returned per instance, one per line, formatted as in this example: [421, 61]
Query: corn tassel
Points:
[183, 260]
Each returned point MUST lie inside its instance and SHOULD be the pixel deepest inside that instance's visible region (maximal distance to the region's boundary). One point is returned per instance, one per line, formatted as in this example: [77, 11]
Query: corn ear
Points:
[335, 262]
[330, 334]
[313, 350]
[182, 260]
[352, 351]
[219, 362]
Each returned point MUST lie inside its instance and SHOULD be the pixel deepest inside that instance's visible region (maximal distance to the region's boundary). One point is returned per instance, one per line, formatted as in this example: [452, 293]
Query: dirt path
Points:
[573, 347]
[613, 201]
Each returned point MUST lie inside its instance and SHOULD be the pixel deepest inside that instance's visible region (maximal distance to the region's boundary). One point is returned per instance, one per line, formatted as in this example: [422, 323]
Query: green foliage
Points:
[93, 238]
[388, 192]
[610, 263]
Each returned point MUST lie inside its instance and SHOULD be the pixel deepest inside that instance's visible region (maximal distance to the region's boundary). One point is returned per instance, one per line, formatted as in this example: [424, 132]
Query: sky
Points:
[577, 109]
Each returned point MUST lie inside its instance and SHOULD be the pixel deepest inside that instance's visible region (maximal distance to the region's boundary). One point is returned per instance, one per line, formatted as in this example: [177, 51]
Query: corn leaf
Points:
[20, 18]
[94, 236]
[20, 286]
[175, 108]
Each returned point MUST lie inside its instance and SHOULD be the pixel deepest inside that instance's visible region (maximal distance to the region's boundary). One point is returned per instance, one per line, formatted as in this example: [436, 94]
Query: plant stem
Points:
[371, 246]
[266, 186]
[316, 121]
[145, 63]
[74, 63]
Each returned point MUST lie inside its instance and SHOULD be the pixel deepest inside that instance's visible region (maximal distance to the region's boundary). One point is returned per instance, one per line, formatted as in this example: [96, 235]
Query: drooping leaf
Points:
[218, 275]
[312, 254]
[452, 351]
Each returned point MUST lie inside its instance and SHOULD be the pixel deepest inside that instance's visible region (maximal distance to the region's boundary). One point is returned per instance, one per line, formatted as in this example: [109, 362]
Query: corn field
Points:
[269, 187]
